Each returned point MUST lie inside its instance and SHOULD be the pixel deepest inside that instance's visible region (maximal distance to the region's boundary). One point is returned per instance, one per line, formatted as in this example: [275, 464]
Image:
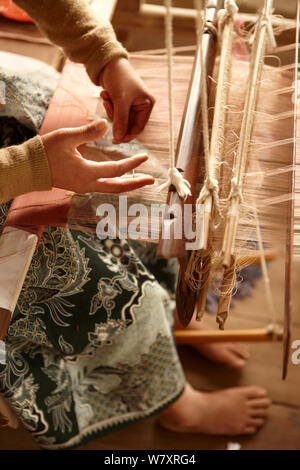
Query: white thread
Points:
[266, 21]
[272, 40]
[175, 177]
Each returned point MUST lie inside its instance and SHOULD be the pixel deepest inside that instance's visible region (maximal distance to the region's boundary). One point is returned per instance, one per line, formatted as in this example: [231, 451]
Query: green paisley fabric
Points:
[90, 347]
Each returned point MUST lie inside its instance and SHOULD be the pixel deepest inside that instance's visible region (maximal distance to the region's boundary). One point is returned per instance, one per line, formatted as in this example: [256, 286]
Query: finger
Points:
[115, 169]
[109, 109]
[125, 139]
[80, 135]
[121, 115]
[121, 185]
[137, 123]
[141, 104]
[105, 95]
[128, 137]
[141, 118]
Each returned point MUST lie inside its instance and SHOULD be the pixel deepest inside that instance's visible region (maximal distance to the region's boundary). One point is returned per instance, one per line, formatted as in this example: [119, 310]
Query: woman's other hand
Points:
[127, 101]
[69, 170]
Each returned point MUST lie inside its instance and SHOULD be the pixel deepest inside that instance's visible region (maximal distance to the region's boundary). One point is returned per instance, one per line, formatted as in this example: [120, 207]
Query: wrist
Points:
[114, 63]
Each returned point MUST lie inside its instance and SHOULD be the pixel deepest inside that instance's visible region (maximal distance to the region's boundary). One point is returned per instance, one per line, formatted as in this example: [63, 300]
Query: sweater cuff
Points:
[101, 57]
[24, 168]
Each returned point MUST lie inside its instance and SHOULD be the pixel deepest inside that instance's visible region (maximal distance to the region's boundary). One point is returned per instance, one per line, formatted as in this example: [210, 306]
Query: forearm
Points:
[23, 168]
[71, 25]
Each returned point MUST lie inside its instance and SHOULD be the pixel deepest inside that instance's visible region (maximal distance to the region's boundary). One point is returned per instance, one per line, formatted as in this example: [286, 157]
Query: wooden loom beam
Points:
[151, 17]
[190, 140]
[289, 260]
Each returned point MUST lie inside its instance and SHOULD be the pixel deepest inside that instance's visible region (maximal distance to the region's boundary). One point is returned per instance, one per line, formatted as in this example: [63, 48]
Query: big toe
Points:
[234, 361]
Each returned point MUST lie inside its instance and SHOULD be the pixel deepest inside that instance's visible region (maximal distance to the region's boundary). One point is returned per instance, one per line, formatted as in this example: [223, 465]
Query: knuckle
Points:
[60, 134]
[87, 132]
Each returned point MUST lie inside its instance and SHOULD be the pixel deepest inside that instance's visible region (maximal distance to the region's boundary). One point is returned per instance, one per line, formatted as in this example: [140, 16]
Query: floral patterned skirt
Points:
[90, 347]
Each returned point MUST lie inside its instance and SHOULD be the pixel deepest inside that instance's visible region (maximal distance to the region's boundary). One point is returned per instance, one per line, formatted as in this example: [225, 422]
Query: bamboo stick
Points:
[249, 335]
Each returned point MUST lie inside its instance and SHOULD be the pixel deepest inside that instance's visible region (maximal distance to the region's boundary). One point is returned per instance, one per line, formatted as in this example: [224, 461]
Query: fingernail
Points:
[142, 155]
[97, 125]
[102, 121]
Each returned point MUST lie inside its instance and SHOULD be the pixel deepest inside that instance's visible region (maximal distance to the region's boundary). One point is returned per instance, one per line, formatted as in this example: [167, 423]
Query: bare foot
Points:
[234, 411]
[233, 355]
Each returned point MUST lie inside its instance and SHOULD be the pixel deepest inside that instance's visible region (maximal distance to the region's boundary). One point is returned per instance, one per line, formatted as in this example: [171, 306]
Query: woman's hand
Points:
[127, 101]
[69, 170]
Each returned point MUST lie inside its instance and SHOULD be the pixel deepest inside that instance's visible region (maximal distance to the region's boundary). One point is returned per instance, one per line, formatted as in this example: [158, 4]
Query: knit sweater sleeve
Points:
[24, 168]
[71, 25]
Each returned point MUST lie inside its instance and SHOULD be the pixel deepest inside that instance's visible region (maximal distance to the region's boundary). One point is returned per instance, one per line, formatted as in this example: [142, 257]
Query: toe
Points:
[250, 430]
[232, 359]
[258, 413]
[256, 392]
[257, 422]
[239, 350]
[238, 363]
[260, 403]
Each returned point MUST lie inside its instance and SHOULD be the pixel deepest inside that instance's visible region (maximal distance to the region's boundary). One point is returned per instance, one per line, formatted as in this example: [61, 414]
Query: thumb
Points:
[80, 135]
[120, 125]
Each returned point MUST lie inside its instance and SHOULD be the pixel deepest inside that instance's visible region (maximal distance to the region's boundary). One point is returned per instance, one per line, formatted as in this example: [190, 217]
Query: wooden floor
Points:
[282, 430]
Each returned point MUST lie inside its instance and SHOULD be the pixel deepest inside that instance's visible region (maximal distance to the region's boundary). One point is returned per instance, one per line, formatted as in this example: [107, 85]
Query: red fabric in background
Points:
[32, 211]
[13, 12]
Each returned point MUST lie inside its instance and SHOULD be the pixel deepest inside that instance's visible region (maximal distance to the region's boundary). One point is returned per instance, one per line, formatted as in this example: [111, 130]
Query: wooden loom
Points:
[189, 142]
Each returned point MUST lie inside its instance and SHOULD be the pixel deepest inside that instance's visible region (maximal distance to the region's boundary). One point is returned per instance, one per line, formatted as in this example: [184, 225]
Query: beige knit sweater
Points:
[92, 42]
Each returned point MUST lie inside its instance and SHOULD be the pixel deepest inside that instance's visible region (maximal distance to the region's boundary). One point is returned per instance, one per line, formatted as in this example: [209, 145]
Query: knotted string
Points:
[228, 12]
[266, 21]
[175, 178]
[210, 187]
[256, 67]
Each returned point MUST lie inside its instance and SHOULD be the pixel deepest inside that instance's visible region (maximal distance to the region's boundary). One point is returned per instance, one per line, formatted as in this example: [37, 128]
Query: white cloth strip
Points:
[16, 251]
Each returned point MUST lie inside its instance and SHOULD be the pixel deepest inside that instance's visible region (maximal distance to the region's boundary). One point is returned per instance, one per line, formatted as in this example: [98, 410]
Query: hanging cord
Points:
[256, 67]
[200, 262]
[273, 328]
[209, 195]
[266, 21]
[175, 178]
